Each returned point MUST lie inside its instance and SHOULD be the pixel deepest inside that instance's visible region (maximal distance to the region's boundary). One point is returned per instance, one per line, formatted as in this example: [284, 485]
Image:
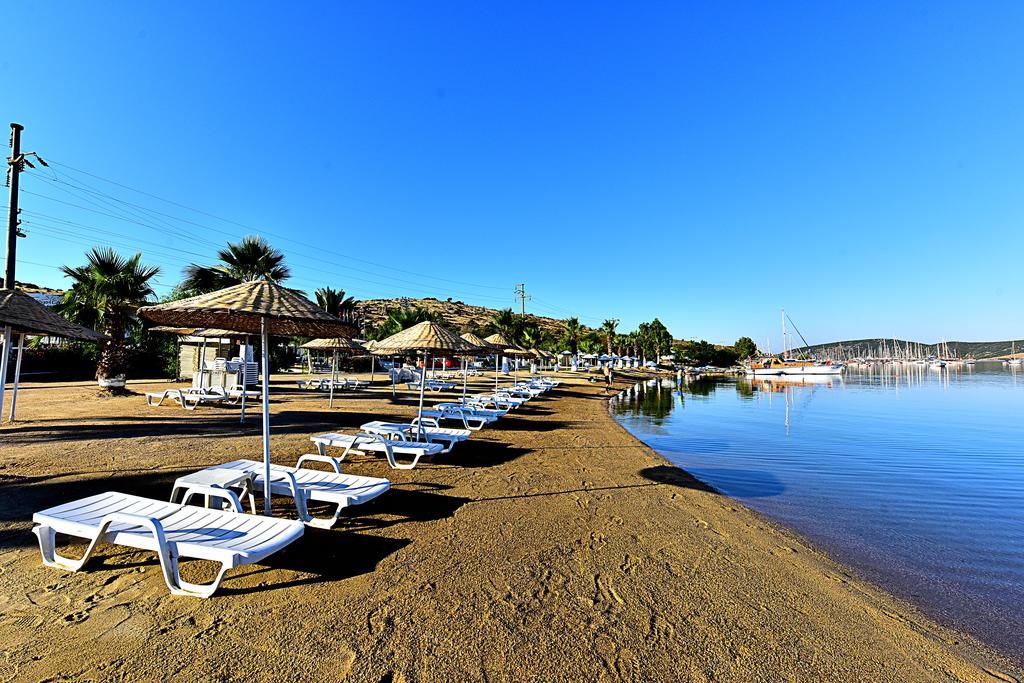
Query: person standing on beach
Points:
[607, 377]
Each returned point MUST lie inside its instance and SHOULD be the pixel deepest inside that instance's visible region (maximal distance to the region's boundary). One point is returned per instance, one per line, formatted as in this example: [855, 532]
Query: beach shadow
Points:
[324, 556]
[667, 474]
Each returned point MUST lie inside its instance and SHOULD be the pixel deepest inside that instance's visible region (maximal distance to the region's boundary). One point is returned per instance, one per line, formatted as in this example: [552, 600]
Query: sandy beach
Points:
[552, 546]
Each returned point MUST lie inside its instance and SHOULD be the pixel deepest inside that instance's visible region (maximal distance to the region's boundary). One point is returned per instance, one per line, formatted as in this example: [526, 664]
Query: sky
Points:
[859, 164]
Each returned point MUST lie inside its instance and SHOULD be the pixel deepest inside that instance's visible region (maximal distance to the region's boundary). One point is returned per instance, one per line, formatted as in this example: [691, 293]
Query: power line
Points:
[319, 248]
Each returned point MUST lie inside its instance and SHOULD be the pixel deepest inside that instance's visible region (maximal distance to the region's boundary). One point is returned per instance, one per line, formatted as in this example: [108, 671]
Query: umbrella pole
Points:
[245, 367]
[17, 376]
[465, 377]
[497, 360]
[423, 384]
[3, 364]
[373, 362]
[392, 376]
[265, 343]
[334, 378]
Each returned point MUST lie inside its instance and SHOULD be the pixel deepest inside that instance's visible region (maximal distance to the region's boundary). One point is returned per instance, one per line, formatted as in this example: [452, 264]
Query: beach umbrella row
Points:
[22, 315]
[259, 307]
[426, 337]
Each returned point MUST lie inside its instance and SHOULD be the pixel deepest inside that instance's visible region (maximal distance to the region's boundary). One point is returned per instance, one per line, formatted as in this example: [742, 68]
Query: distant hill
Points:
[458, 315]
[852, 348]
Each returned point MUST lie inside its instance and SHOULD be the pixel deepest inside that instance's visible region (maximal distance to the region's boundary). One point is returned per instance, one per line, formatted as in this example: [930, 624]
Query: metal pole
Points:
[497, 360]
[12, 205]
[265, 341]
[373, 362]
[334, 378]
[3, 364]
[423, 384]
[17, 376]
[245, 384]
[465, 376]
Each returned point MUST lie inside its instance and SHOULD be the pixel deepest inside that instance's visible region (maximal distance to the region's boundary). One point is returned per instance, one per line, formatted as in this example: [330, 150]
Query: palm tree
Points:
[402, 318]
[251, 259]
[572, 334]
[336, 303]
[532, 335]
[608, 330]
[508, 324]
[104, 295]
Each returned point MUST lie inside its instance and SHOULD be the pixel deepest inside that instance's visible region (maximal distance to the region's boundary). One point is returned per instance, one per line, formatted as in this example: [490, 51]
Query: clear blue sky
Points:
[859, 165]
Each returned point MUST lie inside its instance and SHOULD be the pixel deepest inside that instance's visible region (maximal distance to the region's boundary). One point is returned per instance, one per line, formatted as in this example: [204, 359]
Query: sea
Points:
[913, 476]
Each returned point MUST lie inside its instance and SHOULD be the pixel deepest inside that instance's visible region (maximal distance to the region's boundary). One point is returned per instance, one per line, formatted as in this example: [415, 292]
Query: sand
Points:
[553, 547]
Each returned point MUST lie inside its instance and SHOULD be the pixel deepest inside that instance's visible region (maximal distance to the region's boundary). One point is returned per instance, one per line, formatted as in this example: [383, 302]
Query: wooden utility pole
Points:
[15, 163]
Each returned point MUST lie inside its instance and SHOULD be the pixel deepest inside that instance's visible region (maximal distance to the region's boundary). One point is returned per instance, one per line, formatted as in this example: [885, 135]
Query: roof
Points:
[26, 315]
[424, 336]
[334, 343]
[241, 307]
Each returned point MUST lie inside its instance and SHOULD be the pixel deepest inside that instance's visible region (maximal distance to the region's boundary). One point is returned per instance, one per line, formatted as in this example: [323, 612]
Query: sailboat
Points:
[761, 367]
[1013, 354]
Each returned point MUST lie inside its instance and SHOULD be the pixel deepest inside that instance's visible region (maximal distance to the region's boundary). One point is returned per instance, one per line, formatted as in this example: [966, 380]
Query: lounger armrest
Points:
[425, 421]
[314, 457]
[213, 492]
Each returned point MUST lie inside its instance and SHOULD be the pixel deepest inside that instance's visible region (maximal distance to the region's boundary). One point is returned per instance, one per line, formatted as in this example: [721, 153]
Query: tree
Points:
[745, 347]
[104, 295]
[399, 319]
[251, 259]
[532, 336]
[572, 333]
[336, 303]
[507, 324]
[608, 329]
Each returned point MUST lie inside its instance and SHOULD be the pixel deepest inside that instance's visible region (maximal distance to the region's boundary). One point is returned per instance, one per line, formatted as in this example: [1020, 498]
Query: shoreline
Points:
[551, 547]
[990, 652]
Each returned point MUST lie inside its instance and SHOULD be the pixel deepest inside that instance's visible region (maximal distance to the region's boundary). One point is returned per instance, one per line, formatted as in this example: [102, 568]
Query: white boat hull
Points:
[799, 371]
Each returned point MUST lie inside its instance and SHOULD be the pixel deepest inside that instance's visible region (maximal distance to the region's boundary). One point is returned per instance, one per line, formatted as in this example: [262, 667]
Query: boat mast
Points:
[785, 344]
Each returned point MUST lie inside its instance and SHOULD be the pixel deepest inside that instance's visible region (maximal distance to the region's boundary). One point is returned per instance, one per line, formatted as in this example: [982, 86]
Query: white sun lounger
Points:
[172, 530]
[390, 444]
[474, 409]
[433, 385]
[233, 394]
[353, 383]
[464, 414]
[188, 399]
[303, 485]
[431, 431]
[500, 401]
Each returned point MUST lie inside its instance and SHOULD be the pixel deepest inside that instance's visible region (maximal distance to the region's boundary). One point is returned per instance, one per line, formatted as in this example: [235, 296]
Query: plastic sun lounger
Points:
[172, 530]
[431, 431]
[353, 383]
[390, 444]
[434, 385]
[472, 409]
[233, 394]
[188, 399]
[464, 414]
[501, 401]
[303, 484]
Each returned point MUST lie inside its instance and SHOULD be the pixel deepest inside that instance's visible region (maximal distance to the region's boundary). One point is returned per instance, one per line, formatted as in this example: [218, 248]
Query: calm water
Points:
[915, 478]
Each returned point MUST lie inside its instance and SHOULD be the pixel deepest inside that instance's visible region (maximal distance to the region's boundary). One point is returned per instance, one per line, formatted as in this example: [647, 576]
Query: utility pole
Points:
[521, 293]
[15, 163]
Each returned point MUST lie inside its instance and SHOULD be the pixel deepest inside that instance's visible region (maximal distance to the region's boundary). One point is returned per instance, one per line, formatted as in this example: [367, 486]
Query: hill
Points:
[853, 348]
[458, 315]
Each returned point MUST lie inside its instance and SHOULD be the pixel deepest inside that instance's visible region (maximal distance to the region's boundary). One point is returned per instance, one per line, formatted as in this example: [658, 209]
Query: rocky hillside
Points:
[460, 316]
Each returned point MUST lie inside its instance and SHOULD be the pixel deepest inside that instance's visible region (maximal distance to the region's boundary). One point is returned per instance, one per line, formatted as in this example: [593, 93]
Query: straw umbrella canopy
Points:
[22, 315]
[258, 307]
[425, 337]
[482, 349]
[507, 348]
[334, 344]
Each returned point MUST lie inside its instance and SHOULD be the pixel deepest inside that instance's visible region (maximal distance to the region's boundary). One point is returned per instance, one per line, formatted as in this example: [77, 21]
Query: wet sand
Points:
[552, 546]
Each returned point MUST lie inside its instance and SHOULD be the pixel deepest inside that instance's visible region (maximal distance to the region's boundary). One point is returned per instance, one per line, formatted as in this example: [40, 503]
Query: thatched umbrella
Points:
[22, 315]
[482, 349]
[258, 307]
[425, 337]
[334, 344]
[509, 349]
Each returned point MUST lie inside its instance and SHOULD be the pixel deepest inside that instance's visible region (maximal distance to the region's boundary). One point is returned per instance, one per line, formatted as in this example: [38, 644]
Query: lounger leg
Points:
[178, 586]
[48, 548]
